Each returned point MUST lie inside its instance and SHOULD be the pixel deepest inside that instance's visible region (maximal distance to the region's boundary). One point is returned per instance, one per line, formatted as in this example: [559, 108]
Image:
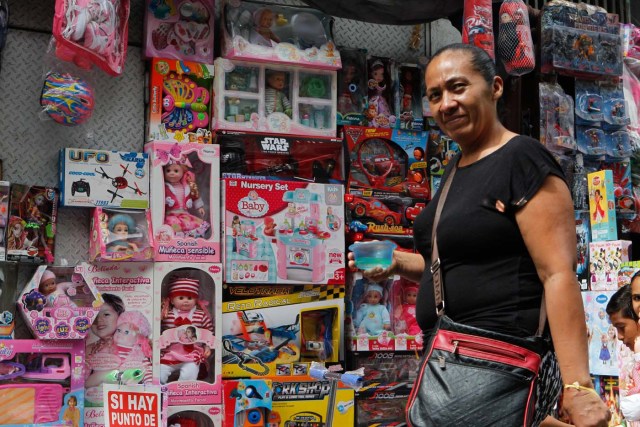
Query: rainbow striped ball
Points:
[67, 99]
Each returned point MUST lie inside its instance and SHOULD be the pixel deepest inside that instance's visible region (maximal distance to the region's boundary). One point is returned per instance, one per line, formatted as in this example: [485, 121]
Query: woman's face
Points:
[105, 324]
[463, 104]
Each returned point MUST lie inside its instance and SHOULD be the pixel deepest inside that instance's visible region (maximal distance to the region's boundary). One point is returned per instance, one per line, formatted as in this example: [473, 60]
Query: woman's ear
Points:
[497, 88]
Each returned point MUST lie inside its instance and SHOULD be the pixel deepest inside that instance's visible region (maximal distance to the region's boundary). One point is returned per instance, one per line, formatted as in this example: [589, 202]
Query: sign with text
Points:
[132, 406]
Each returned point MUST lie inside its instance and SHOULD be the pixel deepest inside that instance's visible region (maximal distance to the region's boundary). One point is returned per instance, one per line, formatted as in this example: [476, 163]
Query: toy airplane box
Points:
[283, 232]
[277, 331]
[41, 383]
[107, 179]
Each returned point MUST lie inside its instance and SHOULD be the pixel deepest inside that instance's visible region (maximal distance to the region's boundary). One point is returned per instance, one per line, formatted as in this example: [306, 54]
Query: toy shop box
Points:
[283, 232]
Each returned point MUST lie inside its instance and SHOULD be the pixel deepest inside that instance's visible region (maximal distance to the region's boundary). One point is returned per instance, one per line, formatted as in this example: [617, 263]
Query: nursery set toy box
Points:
[277, 331]
[283, 232]
[100, 178]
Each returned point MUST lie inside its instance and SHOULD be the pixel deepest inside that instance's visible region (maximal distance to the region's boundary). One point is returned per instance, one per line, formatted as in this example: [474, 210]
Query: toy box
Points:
[195, 416]
[8, 297]
[384, 214]
[283, 232]
[180, 97]
[385, 368]
[627, 271]
[248, 403]
[583, 239]
[118, 347]
[603, 343]
[4, 216]
[605, 262]
[440, 151]
[602, 213]
[256, 97]
[112, 179]
[120, 235]
[352, 87]
[32, 224]
[408, 97]
[60, 303]
[180, 29]
[273, 33]
[281, 157]
[387, 161]
[41, 383]
[380, 412]
[279, 331]
[611, 388]
[185, 201]
[382, 77]
[187, 331]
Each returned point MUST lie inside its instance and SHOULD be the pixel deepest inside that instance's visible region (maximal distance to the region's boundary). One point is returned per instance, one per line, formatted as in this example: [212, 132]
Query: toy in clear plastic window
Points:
[32, 224]
[592, 141]
[615, 107]
[274, 33]
[408, 97]
[556, 119]
[195, 416]
[381, 72]
[515, 46]
[618, 144]
[92, 32]
[181, 29]
[352, 87]
[59, 303]
[404, 296]
[120, 235]
[589, 102]
[379, 412]
[4, 216]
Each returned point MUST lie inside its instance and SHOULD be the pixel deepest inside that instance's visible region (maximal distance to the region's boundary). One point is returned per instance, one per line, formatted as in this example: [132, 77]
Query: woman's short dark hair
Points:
[621, 302]
[480, 60]
[115, 302]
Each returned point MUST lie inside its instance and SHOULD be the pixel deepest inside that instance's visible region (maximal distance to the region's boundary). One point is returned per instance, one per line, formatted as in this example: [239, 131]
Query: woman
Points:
[507, 228]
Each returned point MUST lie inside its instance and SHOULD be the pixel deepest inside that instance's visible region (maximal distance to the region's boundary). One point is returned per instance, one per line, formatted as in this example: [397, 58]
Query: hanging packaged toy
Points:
[477, 26]
[556, 119]
[515, 46]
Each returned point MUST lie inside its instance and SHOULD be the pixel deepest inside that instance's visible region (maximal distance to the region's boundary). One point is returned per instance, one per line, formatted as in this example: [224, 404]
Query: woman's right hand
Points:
[376, 274]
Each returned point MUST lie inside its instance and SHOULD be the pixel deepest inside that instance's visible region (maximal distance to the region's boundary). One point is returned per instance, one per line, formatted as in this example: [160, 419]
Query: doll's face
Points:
[373, 297]
[16, 229]
[72, 402]
[183, 302]
[173, 173]
[47, 286]
[410, 296]
[276, 81]
[378, 74]
[349, 73]
[121, 230]
[266, 19]
[105, 324]
[125, 335]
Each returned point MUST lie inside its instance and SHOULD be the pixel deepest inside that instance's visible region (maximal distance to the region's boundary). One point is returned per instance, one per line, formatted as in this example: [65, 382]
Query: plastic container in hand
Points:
[372, 254]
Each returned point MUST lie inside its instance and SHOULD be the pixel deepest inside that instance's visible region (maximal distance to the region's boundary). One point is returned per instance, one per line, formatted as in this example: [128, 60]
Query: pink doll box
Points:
[119, 342]
[195, 415]
[4, 216]
[257, 97]
[187, 330]
[60, 303]
[181, 29]
[180, 99]
[273, 33]
[121, 235]
[283, 232]
[41, 383]
[605, 261]
[185, 228]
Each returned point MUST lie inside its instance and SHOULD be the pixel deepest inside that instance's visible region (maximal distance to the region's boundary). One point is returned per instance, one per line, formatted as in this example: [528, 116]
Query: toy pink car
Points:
[374, 209]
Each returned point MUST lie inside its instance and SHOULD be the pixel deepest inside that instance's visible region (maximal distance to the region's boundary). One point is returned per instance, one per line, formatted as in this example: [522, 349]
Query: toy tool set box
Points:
[248, 403]
[279, 331]
[283, 232]
[120, 235]
[111, 179]
[41, 383]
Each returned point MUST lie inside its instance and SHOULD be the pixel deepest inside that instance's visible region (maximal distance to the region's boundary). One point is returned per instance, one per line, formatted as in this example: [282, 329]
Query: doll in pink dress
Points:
[405, 313]
[184, 209]
[378, 105]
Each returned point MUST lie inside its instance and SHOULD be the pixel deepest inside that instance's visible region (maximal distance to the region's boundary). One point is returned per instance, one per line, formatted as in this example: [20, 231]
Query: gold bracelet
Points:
[576, 385]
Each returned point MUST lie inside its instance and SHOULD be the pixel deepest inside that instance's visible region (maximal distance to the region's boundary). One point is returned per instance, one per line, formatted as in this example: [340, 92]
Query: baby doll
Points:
[377, 86]
[372, 317]
[48, 287]
[121, 228]
[405, 314]
[182, 197]
[182, 307]
[275, 99]
[261, 33]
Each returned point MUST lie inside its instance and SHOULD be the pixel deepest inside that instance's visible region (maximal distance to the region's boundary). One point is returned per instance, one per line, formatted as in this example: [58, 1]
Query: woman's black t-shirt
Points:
[490, 280]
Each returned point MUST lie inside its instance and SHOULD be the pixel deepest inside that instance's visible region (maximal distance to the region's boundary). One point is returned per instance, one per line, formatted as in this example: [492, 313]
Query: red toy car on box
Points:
[374, 209]
[412, 211]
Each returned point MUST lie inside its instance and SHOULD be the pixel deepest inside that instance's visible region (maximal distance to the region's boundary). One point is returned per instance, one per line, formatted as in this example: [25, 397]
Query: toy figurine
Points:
[183, 307]
[121, 227]
[405, 314]
[372, 317]
[275, 100]
[261, 33]
[378, 105]
[181, 198]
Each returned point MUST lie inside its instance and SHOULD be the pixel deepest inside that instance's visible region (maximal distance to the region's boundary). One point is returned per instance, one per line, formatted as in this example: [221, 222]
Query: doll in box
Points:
[184, 209]
[405, 313]
[378, 105]
[372, 317]
[275, 100]
[121, 228]
[17, 239]
[261, 33]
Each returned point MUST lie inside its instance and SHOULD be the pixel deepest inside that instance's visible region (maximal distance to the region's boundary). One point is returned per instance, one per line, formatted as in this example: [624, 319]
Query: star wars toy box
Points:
[60, 303]
[277, 331]
[195, 416]
[41, 383]
[387, 161]
[603, 342]
[248, 403]
[118, 345]
[185, 201]
[187, 331]
[605, 262]
[120, 235]
[4, 217]
[283, 232]
[602, 212]
[100, 178]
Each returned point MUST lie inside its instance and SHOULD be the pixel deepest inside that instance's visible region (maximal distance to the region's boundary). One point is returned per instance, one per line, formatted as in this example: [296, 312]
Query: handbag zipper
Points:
[478, 347]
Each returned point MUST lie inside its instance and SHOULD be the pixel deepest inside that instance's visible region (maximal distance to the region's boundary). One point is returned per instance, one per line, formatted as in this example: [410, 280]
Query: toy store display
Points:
[477, 25]
[556, 119]
[603, 342]
[185, 201]
[5, 187]
[249, 403]
[602, 213]
[195, 416]
[408, 97]
[66, 98]
[278, 331]
[180, 98]
[188, 298]
[92, 32]
[382, 75]
[181, 29]
[41, 383]
[515, 45]
[260, 97]
[8, 297]
[283, 232]
[352, 87]
[108, 179]
[120, 235]
[281, 157]
[606, 259]
[274, 33]
[119, 343]
[31, 229]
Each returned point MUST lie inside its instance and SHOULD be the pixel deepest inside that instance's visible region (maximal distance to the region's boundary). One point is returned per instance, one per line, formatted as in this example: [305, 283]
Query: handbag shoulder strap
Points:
[436, 270]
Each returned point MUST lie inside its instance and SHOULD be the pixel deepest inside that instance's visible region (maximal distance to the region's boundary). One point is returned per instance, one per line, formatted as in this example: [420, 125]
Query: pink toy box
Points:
[180, 98]
[181, 29]
[255, 97]
[41, 383]
[187, 329]
[118, 346]
[195, 416]
[605, 261]
[121, 235]
[185, 228]
[283, 232]
[60, 303]
[273, 33]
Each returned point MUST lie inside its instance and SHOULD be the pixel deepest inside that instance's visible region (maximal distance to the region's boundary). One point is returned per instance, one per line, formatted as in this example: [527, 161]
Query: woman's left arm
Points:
[548, 229]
